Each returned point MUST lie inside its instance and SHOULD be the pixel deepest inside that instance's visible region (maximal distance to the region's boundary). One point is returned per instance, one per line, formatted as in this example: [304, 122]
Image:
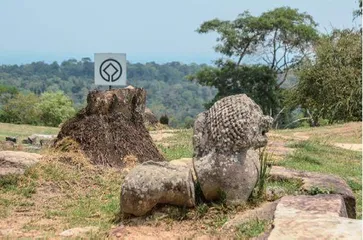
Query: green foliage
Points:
[7, 92]
[167, 90]
[202, 210]
[280, 37]
[188, 122]
[49, 109]
[354, 185]
[258, 82]
[55, 107]
[281, 187]
[263, 173]
[21, 109]
[164, 119]
[178, 146]
[318, 157]
[251, 229]
[316, 190]
[9, 181]
[330, 85]
[357, 13]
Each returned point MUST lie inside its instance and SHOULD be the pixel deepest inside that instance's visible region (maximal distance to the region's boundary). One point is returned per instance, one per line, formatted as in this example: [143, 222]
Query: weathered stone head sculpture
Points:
[230, 125]
[224, 140]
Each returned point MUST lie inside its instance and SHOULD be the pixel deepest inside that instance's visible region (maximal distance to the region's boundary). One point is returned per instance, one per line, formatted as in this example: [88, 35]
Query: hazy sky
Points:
[157, 30]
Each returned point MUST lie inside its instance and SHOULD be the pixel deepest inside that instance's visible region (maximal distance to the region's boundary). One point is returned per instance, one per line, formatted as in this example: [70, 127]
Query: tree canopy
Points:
[277, 41]
[167, 90]
[49, 109]
[330, 83]
[280, 38]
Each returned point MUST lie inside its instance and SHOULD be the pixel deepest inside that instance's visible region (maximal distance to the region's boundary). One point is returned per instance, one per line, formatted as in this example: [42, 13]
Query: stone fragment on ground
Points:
[15, 162]
[118, 232]
[314, 217]
[39, 138]
[223, 139]
[79, 232]
[321, 182]
[264, 212]
[151, 183]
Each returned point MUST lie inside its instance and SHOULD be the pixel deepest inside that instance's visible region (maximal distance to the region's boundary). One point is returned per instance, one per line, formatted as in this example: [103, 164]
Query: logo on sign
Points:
[110, 70]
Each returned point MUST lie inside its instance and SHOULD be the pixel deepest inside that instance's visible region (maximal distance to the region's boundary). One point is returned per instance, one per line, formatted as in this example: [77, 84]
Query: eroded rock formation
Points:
[111, 127]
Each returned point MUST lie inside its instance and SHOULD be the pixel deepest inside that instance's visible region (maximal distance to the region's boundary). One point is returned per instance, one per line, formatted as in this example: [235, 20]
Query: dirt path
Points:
[344, 136]
[349, 146]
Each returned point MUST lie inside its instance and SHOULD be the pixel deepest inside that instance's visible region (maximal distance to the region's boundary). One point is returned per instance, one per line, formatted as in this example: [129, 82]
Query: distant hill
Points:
[168, 90]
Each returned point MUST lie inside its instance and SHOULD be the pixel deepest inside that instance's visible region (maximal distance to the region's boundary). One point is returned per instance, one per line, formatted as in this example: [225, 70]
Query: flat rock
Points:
[14, 162]
[314, 217]
[321, 204]
[264, 212]
[322, 181]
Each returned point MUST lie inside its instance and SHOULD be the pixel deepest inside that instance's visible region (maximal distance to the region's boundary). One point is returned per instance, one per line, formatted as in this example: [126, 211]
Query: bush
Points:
[50, 109]
[21, 109]
[164, 119]
[55, 108]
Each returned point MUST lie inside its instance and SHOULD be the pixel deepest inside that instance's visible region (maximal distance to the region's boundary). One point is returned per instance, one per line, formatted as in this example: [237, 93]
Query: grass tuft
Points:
[259, 192]
[178, 146]
[251, 229]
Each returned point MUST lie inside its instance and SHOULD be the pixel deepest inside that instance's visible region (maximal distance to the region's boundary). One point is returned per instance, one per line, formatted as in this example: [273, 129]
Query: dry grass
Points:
[338, 133]
[62, 191]
[65, 191]
[23, 131]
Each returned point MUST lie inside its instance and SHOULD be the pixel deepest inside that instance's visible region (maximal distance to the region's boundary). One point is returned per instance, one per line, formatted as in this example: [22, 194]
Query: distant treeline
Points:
[168, 90]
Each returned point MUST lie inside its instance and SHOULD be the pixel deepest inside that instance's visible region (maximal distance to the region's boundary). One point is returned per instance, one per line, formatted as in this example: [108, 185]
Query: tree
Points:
[7, 92]
[281, 38]
[358, 13]
[330, 84]
[21, 109]
[55, 107]
[278, 39]
[168, 92]
[257, 81]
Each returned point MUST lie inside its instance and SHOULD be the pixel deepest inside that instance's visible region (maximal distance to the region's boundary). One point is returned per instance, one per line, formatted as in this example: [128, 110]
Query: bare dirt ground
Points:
[160, 135]
[347, 136]
[349, 146]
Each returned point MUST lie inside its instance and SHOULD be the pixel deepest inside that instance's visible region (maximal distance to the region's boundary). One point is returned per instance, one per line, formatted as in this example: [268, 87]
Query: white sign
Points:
[110, 69]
